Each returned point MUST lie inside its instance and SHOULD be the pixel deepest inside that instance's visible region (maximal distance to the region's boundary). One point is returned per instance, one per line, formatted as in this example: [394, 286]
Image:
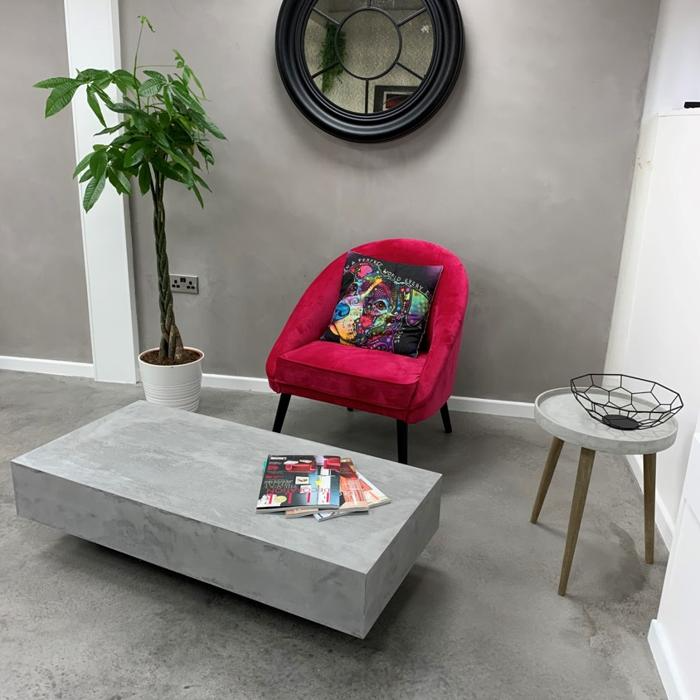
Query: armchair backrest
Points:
[313, 311]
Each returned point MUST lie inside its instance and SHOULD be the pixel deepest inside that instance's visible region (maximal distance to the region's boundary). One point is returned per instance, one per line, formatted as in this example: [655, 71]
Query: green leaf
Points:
[124, 181]
[103, 81]
[111, 129]
[198, 122]
[119, 180]
[206, 153]
[198, 195]
[167, 101]
[202, 182]
[93, 192]
[115, 182]
[124, 85]
[181, 90]
[189, 74]
[125, 77]
[83, 163]
[179, 160]
[214, 130]
[144, 20]
[90, 74]
[98, 164]
[162, 140]
[87, 175]
[186, 153]
[156, 74]
[167, 169]
[122, 108]
[144, 178]
[141, 122]
[122, 139]
[150, 87]
[134, 154]
[179, 60]
[104, 97]
[54, 82]
[59, 97]
[95, 105]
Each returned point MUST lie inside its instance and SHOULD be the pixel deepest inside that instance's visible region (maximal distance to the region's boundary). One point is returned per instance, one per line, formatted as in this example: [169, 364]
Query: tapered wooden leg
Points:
[402, 441]
[282, 407]
[583, 478]
[446, 422]
[547, 474]
[649, 506]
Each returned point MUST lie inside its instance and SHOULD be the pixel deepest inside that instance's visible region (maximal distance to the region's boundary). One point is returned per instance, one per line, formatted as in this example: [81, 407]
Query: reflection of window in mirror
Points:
[368, 55]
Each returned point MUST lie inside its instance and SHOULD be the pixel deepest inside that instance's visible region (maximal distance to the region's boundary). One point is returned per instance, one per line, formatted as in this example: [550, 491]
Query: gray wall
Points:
[43, 301]
[525, 174]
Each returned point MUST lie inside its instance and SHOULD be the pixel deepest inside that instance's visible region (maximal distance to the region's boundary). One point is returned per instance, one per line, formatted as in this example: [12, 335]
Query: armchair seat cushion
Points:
[351, 374]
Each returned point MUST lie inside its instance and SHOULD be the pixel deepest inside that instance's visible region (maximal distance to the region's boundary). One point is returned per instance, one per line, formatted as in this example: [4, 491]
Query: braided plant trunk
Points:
[170, 341]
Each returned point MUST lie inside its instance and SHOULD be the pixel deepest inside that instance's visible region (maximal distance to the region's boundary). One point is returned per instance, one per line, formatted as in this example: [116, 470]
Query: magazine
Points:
[371, 495]
[296, 481]
[352, 498]
[301, 512]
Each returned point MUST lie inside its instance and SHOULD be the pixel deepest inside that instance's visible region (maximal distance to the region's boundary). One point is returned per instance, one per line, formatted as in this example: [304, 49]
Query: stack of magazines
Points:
[322, 486]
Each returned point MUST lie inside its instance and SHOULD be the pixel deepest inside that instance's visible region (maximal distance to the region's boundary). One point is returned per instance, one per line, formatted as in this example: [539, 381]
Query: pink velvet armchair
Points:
[407, 389]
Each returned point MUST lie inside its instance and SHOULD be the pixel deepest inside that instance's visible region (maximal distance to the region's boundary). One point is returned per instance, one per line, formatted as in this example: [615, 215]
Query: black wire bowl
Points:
[624, 402]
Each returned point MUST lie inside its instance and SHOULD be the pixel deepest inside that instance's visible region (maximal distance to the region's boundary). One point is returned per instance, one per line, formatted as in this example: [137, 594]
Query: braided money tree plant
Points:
[161, 133]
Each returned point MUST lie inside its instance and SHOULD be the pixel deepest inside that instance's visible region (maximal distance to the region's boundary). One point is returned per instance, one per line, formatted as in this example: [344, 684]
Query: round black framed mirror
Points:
[369, 70]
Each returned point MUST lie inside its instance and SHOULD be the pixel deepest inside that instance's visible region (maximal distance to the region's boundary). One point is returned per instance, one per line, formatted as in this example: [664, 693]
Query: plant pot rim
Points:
[181, 364]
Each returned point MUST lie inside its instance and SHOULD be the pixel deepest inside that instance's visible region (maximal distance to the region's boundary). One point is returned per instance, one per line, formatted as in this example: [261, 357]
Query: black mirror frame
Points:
[448, 53]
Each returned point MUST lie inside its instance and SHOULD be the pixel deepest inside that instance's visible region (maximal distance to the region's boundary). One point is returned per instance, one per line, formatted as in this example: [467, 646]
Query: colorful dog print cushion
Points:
[383, 305]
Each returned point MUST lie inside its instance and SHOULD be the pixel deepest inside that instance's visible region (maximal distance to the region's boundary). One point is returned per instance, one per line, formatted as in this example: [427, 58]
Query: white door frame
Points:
[92, 36]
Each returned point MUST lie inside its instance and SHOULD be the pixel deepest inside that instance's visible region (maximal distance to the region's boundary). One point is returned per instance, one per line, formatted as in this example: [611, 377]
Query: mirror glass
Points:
[368, 56]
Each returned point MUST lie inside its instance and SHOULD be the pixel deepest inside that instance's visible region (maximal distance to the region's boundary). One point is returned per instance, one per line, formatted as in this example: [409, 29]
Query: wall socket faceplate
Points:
[185, 284]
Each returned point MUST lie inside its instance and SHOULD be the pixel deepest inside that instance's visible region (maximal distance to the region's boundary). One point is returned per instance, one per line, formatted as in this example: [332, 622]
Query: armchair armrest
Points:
[446, 323]
[310, 316]
[437, 378]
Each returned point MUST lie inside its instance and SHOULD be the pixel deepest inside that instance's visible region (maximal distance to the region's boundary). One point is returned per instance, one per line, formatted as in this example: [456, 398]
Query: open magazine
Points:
[296, 481]
[357, 495]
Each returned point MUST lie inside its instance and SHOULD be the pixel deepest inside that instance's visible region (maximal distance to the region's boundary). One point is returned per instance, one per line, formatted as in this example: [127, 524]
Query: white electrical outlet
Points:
[184, 284]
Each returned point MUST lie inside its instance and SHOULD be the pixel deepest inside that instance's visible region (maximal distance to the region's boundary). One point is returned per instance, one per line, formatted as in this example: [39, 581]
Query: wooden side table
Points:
[558, 412]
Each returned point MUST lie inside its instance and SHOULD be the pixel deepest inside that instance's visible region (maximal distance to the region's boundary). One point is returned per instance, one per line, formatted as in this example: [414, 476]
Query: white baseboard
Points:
[463, 404]
[665, 665]
[234, 383]
[466, 404]
[63, 368]
[664, 522]
[494, 407]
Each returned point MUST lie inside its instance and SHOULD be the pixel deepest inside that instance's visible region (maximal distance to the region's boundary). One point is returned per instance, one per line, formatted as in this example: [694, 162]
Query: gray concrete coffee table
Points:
[558, 412]
[179, 490]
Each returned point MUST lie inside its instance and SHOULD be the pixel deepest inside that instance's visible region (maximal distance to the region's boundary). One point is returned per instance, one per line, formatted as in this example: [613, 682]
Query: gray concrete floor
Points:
[477, 617]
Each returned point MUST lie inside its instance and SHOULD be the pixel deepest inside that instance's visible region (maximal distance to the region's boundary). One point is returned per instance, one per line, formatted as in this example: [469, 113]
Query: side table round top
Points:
[560, 414]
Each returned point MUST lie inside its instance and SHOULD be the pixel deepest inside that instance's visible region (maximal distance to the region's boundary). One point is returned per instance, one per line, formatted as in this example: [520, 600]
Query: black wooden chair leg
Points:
[402, 440]
[446, 422]
[282, 407]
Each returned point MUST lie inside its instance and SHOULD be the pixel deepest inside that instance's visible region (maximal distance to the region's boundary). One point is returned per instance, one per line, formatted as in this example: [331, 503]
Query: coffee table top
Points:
[210, 470]
[561, 415]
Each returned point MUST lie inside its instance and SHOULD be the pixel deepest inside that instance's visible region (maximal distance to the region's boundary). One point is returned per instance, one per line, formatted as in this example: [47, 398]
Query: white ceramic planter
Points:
[177, 386]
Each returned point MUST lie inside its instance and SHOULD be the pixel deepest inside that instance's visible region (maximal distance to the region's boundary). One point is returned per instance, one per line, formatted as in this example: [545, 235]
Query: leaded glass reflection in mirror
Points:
[368, 56]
